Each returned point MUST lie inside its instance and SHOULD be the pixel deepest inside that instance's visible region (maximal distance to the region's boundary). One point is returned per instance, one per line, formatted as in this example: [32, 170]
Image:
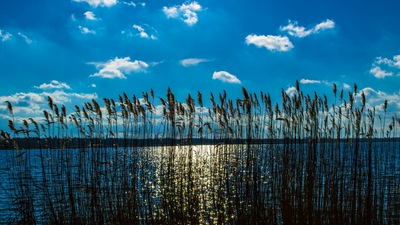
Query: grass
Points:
[243, 161]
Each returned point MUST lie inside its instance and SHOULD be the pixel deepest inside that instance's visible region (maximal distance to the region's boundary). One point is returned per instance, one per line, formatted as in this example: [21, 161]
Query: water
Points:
[205, 184]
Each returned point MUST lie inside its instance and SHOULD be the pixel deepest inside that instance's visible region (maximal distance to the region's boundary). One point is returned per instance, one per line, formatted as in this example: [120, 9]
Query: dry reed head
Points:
[11, 126]
[355, 88]
[34, 123]
[190, 104]
[385, 106]
[97, 108]
[50, 102]
[108, 105]
[341, 95]
[56, 110]
[199, 99]
[171, 104]
[63, 111]
[152, 93]
[5, 135]
[297, 86]
[362, 101]
[46, 116]
[334, 90]
[9, 107]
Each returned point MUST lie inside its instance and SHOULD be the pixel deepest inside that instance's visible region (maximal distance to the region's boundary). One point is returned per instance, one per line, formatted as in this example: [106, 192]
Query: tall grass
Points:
[245, 161]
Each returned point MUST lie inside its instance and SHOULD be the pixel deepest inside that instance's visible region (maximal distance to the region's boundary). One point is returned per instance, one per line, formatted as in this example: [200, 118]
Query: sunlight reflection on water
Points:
[209, 183]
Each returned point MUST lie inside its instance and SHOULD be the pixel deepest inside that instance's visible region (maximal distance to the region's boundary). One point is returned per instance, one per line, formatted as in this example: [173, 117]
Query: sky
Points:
[78, 50]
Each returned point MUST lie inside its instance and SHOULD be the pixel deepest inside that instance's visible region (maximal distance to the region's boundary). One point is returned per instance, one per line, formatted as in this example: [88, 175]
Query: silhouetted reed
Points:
[303, 160]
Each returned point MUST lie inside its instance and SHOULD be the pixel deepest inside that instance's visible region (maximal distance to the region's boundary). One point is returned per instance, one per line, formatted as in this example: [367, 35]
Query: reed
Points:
[300, 160]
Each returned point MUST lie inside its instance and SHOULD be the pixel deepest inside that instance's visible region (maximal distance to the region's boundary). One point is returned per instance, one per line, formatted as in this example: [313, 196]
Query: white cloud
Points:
[25, 103]
[171, 12]
[226, 77]
[291, 91]
[186, 12]
[96, 3]
[346, 86]
[143, 33]
[327, 24]
[73, 18]
[270, 42]
[130, 3]
[295, 30]
[27, 40]
[378, 72]
[119, 67]
[307, 81]
[54, 84]
[299, 31]
[31, 104]
[5, 36]
[375, 98]
[90, 15]
[192, 61]
[93, 85]
[85, 30]
[384, 67]
[395, 62]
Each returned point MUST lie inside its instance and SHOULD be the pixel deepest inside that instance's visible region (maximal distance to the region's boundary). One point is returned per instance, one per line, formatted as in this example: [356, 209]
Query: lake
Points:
[290, 181]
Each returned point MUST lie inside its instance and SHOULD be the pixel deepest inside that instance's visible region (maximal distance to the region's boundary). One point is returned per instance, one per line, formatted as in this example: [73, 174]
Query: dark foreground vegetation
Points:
[244, 161]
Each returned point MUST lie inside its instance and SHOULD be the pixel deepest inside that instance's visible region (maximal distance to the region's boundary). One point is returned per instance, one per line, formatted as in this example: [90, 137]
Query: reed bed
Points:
[245, 161]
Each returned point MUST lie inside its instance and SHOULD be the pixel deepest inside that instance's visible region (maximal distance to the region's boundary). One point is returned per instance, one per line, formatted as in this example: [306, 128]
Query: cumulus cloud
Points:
[89, 15]
[5, 36]
[291, 91]
[192, 61]
[225, 77]
[85, 30]
[299, 31]
[270, 42]
[384, 67]
[395, 62]
[119, 67]
[376, 98]
[186, 12]
[54, 84]
[307, 81]
[171, 12]
[378, 72]
[31, 104]
[96, 3]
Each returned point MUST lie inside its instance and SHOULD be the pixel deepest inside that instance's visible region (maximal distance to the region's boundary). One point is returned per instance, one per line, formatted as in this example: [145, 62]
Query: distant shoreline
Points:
[56, 143]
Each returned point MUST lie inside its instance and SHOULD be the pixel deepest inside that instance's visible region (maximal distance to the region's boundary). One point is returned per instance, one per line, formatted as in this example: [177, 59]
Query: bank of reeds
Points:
[245, 161]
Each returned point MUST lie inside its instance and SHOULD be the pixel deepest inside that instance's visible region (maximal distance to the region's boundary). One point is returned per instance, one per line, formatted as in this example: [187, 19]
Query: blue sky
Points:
[76, 50]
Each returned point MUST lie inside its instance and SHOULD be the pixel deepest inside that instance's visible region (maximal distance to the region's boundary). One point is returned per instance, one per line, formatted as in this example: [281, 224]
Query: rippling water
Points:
[208, 184]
